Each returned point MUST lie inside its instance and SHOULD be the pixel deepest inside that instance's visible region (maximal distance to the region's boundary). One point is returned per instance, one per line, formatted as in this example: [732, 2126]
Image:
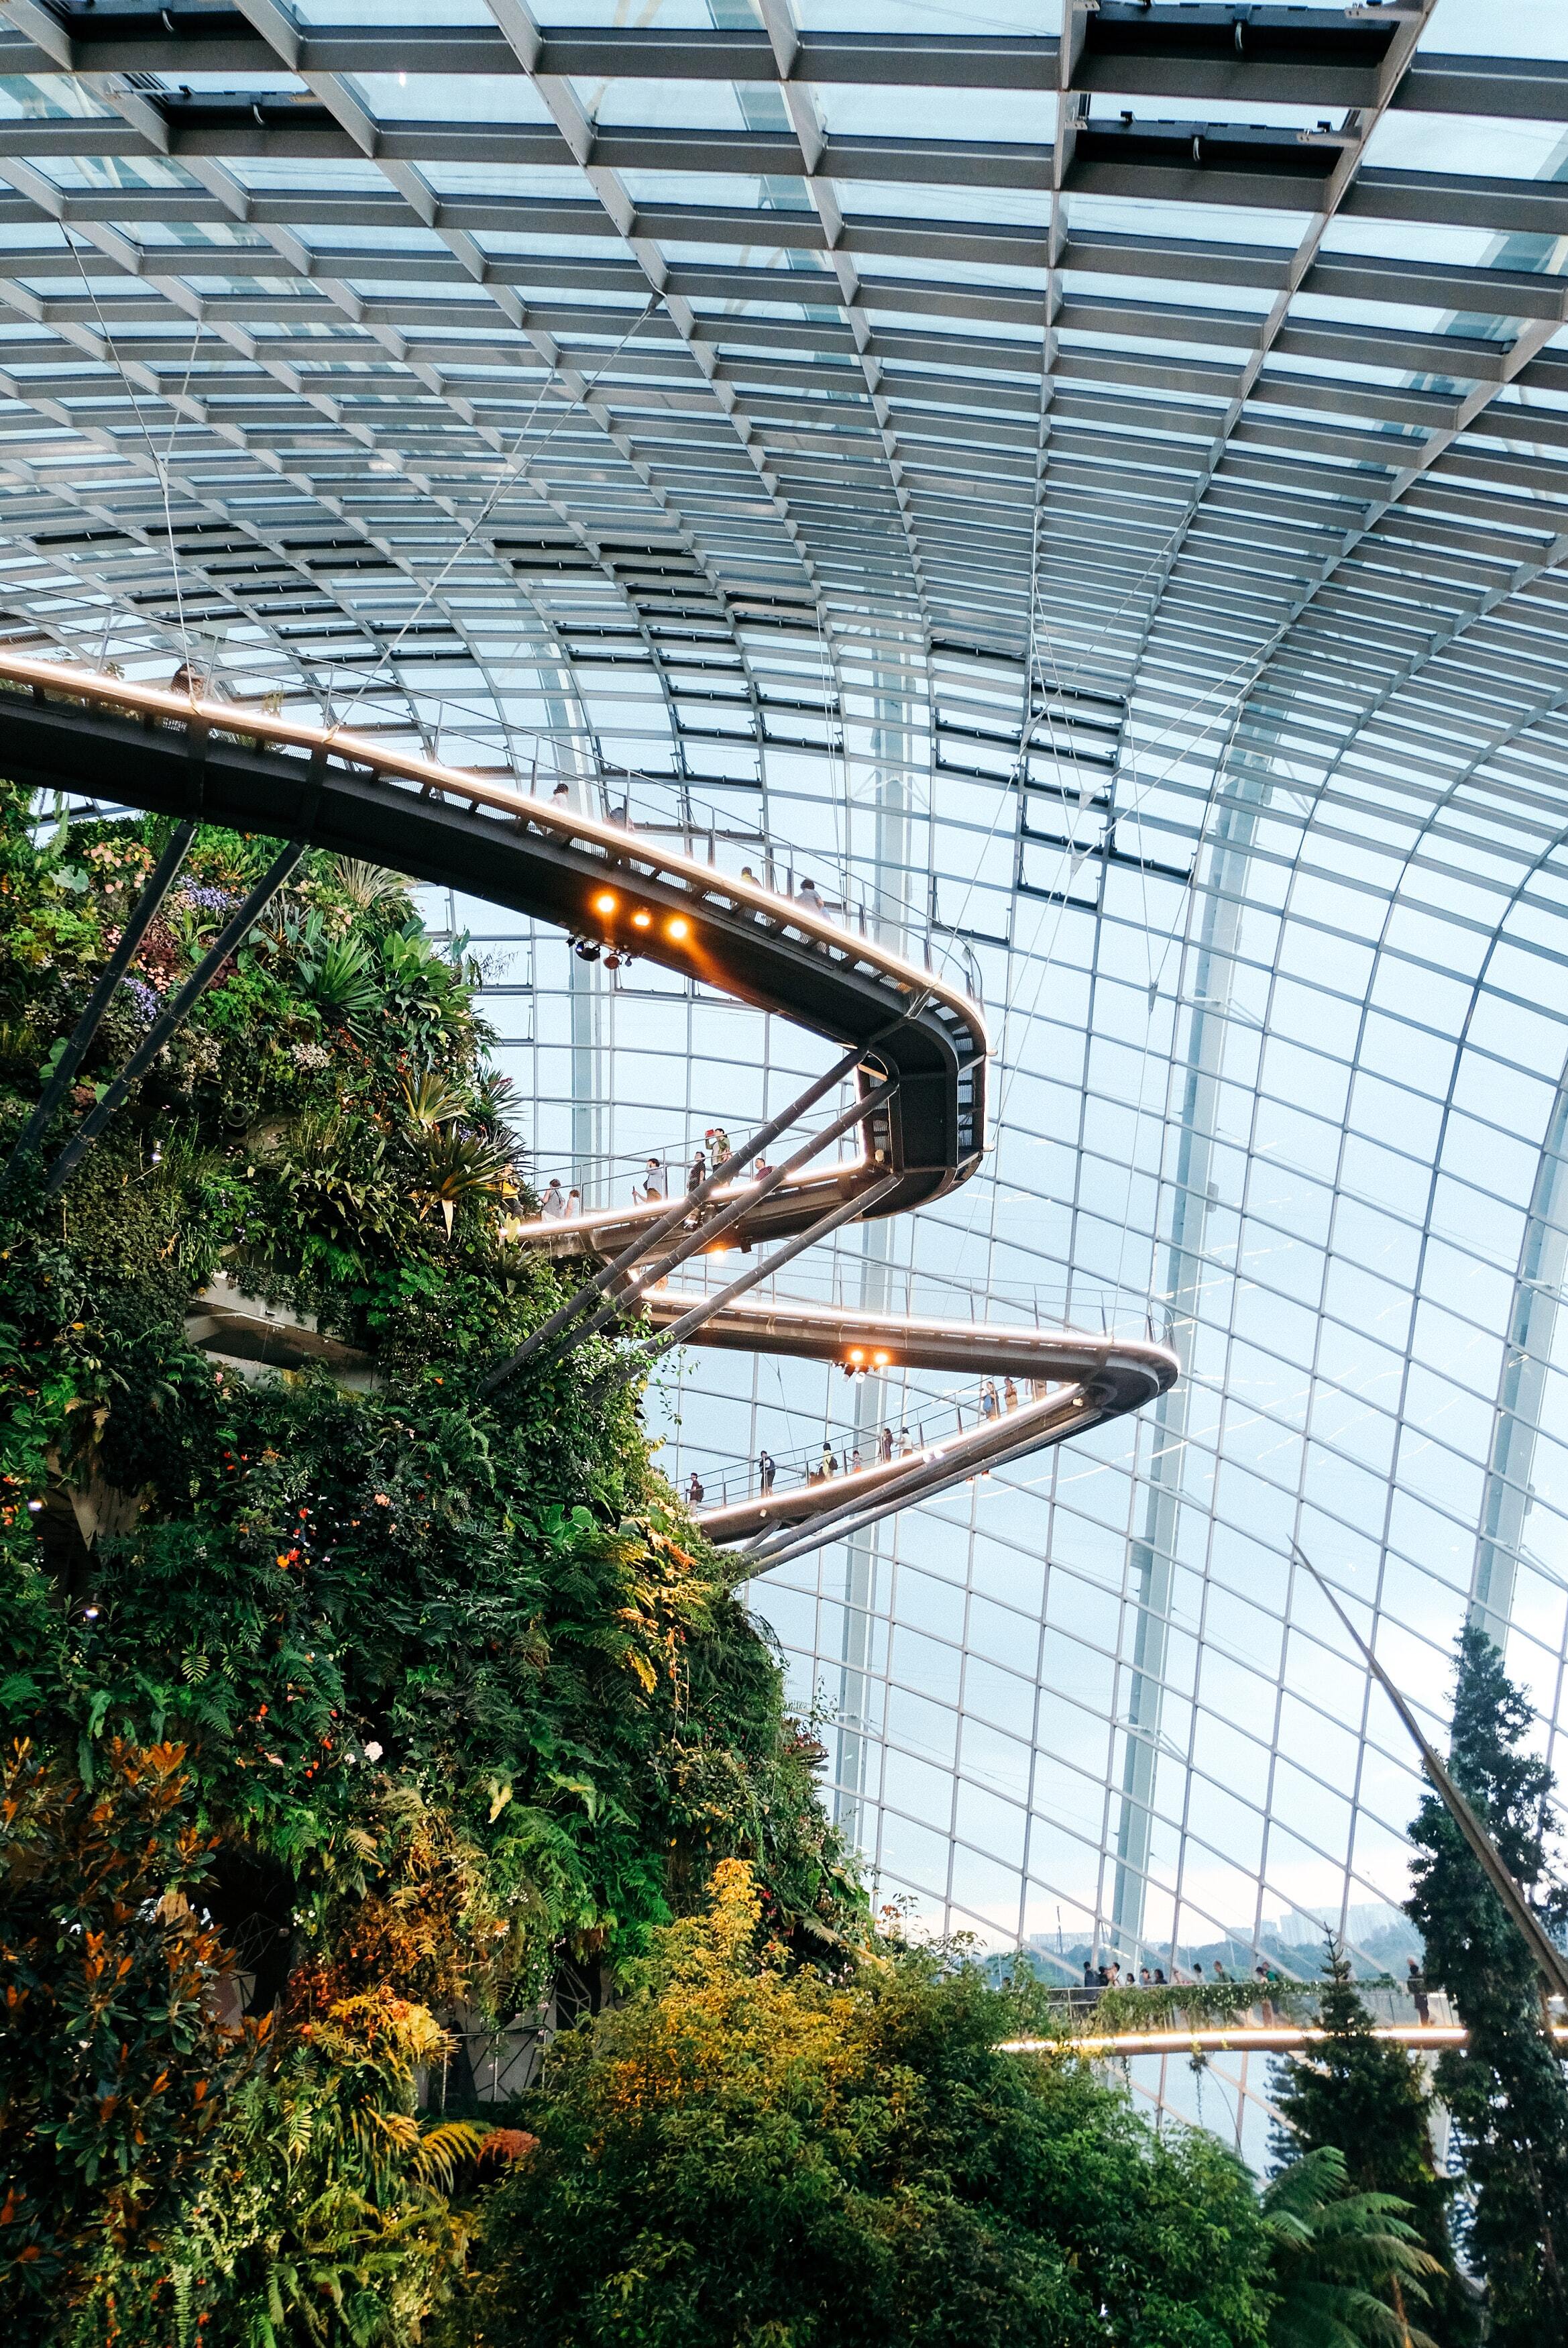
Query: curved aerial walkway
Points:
[1075, 1381]
[1250, 2038]
[916, 1047]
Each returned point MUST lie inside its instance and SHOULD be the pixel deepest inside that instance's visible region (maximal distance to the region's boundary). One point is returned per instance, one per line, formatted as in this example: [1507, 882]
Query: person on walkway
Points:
[1265, 2001]
[652, 1183]
[698, 1174]
[1009, 1396]
[694, 1491]
[1145, 1978]
[1160, 1981]
[1416, 1982]
[885, 1446]
[560, 798]
[855, 1461]
[829, 1463]
[1220, 1972]
[987, 1399]
[809, 898]
[554, 1203]
[767, 1470]
[906, 1448]
[1089, 1982]
[573, 1201]
[718, 1146]
[760, 1167]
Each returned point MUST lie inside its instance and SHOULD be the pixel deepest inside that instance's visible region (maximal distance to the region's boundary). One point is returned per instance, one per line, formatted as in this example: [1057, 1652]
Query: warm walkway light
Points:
[604, 902]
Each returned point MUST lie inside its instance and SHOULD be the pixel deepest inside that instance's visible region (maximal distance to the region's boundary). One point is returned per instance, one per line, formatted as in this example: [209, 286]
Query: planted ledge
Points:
[252, 1337]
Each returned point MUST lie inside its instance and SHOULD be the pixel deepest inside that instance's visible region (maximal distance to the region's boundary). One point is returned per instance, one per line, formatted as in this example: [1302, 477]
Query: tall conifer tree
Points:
[1370, 2100]
[1506, 2091]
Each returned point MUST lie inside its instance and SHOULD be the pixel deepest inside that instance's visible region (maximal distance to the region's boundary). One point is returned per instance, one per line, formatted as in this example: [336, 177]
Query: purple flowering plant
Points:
[147, 1000]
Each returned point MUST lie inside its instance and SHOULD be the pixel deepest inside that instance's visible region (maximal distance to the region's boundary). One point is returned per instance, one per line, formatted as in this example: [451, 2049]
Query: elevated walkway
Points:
[917, 1046]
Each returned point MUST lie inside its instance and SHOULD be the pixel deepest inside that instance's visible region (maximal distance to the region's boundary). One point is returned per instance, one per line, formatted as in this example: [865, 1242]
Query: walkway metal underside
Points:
[74, 732]
[923, 1128]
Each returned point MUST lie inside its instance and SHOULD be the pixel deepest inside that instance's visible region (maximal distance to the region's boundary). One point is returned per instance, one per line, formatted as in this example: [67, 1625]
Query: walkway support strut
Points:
[140, 921]
[704, 1310]
[670, 1220]
[707, 1232]
[233, 934]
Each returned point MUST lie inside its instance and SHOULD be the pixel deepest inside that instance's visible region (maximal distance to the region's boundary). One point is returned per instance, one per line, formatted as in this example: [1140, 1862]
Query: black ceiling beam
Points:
[1281, 55]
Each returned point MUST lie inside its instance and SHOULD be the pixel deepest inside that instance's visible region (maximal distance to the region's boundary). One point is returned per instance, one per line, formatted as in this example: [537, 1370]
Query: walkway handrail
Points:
[73, 730]
[924, 1043]
[1251, 2038]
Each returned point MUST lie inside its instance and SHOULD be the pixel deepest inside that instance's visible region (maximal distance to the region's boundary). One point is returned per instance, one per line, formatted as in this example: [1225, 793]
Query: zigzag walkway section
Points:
[917, 1046]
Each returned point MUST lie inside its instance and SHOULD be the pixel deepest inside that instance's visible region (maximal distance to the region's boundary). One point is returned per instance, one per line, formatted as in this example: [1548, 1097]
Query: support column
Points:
[1154, 1552]
[1522, 1387]
[861, 1550]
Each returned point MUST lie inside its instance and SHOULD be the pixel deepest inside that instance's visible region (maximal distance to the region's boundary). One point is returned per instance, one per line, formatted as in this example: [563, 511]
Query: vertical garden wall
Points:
[332, 1716]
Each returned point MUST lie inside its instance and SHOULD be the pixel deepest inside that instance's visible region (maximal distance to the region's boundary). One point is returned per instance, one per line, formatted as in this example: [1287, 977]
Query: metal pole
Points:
[1547, 1955]
[707, 1306]
[707, 1232]
[670, 1220]
[159, 884]
[159, 1034]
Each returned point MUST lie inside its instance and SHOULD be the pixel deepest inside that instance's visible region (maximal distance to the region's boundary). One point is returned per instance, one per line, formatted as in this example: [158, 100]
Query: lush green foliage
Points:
[1506, 2091]
[1348, 2269]
[1366, 2101]
[745, 2152]
[455, 1693]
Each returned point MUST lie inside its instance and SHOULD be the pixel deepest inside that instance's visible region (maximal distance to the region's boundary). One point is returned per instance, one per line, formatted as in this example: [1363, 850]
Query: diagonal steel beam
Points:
[1549, 1959]
[707, 1232]
[159, 884]
[232, 935]
[673, 1217]
[705, 1309]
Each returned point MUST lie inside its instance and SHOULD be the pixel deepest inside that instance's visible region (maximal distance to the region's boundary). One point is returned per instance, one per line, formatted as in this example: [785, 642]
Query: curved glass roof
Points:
[1087, 483]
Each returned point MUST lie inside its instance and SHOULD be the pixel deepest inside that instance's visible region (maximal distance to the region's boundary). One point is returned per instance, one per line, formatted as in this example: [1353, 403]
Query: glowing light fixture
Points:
[641, 920]
[882, 1360]
[679, 927]
[604, 902]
